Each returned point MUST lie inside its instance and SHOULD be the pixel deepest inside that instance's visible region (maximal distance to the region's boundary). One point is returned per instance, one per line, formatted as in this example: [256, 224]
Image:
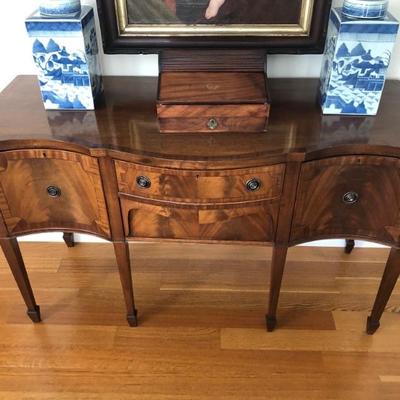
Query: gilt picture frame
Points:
[149, 26]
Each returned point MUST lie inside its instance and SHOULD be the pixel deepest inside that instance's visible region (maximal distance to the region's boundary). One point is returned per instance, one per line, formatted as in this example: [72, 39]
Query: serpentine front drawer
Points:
[51, 189]
[247, 222]
[232, 185]
[349, 196]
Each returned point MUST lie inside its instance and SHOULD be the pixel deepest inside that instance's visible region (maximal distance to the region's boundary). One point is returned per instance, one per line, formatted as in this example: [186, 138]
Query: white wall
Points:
[16, 52]
[16, 56]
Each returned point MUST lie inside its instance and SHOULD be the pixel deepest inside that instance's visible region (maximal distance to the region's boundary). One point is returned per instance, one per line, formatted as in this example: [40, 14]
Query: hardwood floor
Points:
[201, 331]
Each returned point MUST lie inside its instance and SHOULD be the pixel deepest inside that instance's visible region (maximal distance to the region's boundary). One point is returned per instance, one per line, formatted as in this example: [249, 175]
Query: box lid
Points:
[212, 88]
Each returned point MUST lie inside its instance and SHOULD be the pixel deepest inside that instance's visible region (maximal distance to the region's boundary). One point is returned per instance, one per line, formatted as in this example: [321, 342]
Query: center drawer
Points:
[247, 222]
[200, 186]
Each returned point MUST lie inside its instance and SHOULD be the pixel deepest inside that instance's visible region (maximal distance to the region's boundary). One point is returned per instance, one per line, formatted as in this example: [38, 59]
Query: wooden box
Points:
[217, 101]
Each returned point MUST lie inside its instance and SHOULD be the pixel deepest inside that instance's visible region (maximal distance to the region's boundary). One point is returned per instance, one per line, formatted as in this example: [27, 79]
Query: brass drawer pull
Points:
[143, 182]
[53, 191]
[212, 124]
[253, 184]
[350, 198]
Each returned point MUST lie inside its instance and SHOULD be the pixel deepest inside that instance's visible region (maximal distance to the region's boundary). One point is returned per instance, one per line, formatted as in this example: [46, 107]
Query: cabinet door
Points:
[51, 190]
[352, 196]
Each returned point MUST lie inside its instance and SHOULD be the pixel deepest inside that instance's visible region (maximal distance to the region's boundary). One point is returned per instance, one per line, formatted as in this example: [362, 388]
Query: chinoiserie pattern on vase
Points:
[357, 56]
[65, 52]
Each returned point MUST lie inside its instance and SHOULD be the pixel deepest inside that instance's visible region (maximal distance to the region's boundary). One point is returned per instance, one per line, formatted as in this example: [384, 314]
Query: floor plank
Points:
[295, 340]
[390, 379]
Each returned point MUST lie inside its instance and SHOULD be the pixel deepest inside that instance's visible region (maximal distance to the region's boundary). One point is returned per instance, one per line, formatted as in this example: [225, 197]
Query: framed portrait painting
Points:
[280, 26]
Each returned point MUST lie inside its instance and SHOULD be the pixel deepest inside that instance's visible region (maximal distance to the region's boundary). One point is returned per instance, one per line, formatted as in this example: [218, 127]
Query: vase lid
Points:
[367, 2]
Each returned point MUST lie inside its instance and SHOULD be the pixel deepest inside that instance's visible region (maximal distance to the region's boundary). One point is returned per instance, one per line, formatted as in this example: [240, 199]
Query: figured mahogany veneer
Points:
[212, 87]
[200, 186]
[198, 101]
[27, 203]
[321, 208]
[248, 222]
[111, 173]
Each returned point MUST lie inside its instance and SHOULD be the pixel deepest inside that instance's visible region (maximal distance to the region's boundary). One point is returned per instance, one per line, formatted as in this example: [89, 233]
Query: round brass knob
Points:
[253, 184]
[143, 182]
[212, 124]
[350, 197]
[53, 191]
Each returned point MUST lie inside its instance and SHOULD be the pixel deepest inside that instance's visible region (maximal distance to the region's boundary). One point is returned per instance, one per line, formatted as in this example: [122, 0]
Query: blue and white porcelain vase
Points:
[66, 55]
[59, 8]
[356, 59]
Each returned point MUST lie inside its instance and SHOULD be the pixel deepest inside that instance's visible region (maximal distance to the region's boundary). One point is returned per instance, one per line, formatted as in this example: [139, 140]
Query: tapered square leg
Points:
[389, 279]
[277, 268]
[270, 323]
[350, 243]
[122, 254]
[34, 315]
[372, 326]
[132, 319]
[15, 261]
[69, 239]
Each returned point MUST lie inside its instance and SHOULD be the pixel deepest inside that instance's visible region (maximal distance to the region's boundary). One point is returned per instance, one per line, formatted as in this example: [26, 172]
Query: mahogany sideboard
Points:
[111, 173]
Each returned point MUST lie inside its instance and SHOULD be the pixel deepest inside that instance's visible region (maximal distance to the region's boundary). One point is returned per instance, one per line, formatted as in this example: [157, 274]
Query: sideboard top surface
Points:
[125, 123]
